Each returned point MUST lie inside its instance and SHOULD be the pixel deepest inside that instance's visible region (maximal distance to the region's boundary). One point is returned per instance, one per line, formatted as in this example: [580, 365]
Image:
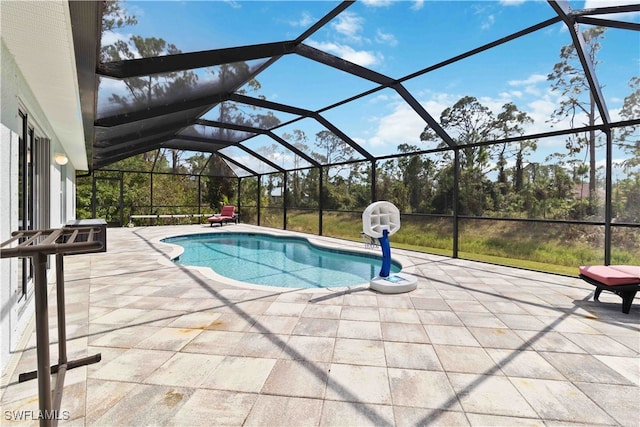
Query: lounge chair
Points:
[228, 214]
[623, 280]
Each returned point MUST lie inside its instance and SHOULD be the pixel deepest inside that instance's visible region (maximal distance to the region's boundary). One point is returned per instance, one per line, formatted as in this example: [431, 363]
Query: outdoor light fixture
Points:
[61, 159]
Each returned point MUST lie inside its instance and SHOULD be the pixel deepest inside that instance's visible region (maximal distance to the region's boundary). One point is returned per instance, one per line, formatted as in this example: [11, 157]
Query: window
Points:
[33, 189]
[63, 194]
[25, 195]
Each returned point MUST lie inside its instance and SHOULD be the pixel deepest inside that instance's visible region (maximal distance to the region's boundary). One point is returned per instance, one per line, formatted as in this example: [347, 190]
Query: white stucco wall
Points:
[62, 190]
[14, 317]
[15, 94]
[10, 325]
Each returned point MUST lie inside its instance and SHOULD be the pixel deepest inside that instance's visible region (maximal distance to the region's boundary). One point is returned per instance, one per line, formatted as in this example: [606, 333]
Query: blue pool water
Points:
[277, 261]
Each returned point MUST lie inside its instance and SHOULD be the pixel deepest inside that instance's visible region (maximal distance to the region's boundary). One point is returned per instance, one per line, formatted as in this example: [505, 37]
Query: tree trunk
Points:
[592, 157]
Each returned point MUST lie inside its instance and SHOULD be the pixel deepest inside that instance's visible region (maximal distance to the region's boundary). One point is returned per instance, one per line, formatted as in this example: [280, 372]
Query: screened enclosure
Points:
[505, 132]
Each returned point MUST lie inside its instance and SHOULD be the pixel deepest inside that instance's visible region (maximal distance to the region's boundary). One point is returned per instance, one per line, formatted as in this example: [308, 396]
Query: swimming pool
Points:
[290, 262]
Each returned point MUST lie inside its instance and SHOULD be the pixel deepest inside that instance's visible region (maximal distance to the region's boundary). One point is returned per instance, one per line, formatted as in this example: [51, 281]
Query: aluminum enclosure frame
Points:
[159, 134]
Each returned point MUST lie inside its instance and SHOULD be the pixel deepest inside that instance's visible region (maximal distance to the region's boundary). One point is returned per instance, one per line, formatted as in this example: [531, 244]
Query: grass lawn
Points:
[553, 248]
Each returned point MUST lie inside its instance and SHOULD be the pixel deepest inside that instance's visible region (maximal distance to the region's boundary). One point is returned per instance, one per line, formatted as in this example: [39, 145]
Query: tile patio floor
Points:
[475, 344]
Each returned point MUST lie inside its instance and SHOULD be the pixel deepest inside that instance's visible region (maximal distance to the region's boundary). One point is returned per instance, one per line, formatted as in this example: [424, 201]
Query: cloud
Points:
[304, 21]
[592, 4]
[540, 110]
[529, 84]
[397, 123]
[417, 5]
[403, 124]
[482, 9]
[386, 38]
[360, 57]
[349, 24]
[377, 3]
[495, 104]
[511, 94]
[110, 37]
[380, 98]
[488, 23]
[109, 87]
[233, 3]
[512, 2]
[531, 80]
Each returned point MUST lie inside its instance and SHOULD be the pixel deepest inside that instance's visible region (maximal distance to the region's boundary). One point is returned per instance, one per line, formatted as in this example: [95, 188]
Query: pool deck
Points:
[474, 344]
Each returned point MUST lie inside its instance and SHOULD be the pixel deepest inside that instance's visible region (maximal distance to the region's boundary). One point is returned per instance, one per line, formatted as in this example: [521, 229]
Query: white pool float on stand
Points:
[381, 220]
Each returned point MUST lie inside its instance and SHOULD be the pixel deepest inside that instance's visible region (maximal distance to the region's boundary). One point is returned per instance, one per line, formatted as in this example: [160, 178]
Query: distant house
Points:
[42, 143]
[276, 195]
[581, 191]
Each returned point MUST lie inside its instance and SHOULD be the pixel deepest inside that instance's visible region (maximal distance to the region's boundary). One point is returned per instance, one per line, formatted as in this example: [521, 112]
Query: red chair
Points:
[623, 280]
[228, 214]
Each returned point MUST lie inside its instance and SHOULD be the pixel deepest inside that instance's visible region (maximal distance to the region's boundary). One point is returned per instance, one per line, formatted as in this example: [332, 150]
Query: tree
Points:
[628, 135]
[146, 92]
[149, 91]
[469, 123]
[417, 173]
[228, 77]
[359, 185]
[220, 186]
[472, 126]
[114, 16]
[568, 78]
[510, 122]
[299, 140]
[142, 92]
[628, 139]
[196, 163]
[333, 149]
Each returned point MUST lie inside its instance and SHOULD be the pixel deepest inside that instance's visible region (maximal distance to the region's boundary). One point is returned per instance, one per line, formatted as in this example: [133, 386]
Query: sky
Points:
[398, 38]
